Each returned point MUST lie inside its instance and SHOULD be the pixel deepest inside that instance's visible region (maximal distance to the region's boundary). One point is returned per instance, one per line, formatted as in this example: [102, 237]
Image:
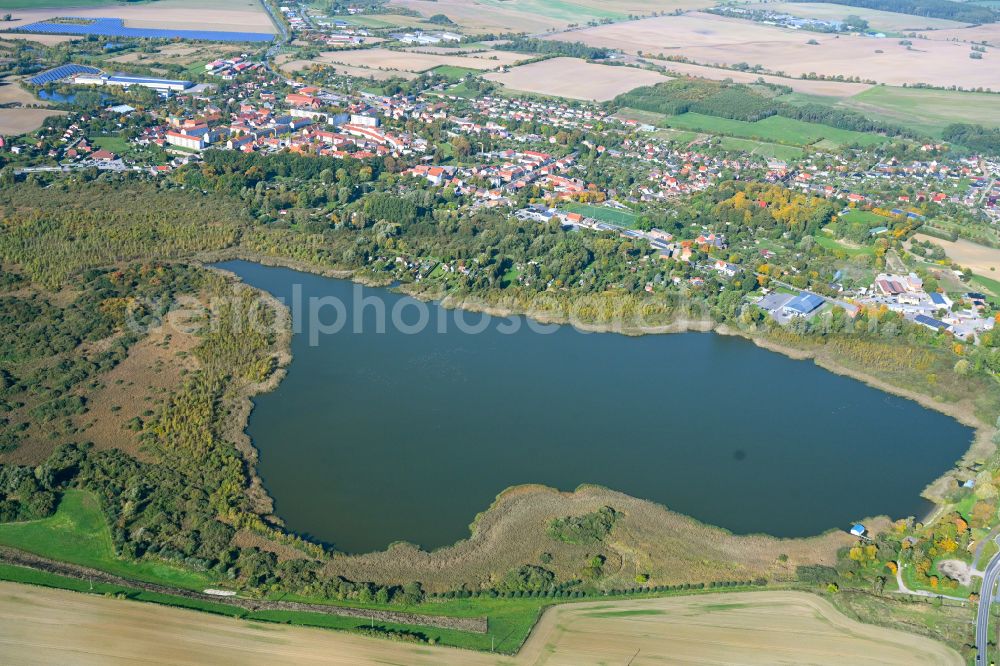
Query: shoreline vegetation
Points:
[979, 448]
[198, 435]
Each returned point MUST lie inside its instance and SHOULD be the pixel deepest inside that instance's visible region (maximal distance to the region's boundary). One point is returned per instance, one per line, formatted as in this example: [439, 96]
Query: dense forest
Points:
[554, 47]
[742, 102]
[966, 12]
[84, 223]
[974, 137]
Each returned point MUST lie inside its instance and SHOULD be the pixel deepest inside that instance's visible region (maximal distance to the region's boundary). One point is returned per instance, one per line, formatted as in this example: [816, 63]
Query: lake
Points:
[375, 437]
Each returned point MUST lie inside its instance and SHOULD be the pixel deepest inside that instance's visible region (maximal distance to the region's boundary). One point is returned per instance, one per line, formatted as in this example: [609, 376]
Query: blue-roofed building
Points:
[931, 323]
[61, 72]
[803, 305]
[940, 299]
[115, 27]
[857, 529]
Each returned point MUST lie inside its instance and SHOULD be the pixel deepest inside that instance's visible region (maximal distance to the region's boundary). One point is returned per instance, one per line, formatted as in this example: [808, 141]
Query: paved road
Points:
[990, 576]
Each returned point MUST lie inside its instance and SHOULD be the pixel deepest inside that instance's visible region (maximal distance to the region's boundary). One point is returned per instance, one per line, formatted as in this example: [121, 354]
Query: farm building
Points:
[127, 81]
[802, 305]
[931, 323]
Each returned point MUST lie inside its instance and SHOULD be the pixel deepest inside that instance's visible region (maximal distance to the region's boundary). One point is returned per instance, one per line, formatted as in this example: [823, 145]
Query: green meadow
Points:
[775, 129]
[78, 533]
[920, 109]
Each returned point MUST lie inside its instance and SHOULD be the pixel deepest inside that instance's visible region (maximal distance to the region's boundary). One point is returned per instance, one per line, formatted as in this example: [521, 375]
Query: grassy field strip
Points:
[831, 244]
[775, 150]
[625, 218]
[40, 625]
[77, 533]
[774, 129]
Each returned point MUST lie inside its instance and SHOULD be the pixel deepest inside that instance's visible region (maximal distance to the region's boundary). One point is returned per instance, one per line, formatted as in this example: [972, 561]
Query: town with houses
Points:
[518, 154]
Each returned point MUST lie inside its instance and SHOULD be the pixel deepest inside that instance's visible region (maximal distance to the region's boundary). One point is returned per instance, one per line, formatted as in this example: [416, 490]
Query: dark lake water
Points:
[379, 437]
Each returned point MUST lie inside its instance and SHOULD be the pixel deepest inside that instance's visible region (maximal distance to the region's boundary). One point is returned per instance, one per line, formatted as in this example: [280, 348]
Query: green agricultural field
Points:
[77, 533]
[989, 284]
[452, 72]
[385, 21]
[560, 10]
[775, 129]
[775, 150]
[920, 109]
[602, 213]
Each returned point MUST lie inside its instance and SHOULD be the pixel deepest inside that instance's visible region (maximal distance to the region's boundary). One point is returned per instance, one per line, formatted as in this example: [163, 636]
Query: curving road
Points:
[990, 577]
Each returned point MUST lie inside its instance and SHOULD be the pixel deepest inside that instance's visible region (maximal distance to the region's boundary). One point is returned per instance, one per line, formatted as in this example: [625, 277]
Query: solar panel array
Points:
[61, 72]
[115, 27]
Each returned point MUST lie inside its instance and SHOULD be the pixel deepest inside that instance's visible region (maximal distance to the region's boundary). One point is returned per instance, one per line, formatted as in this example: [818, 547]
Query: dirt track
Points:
[43, 626]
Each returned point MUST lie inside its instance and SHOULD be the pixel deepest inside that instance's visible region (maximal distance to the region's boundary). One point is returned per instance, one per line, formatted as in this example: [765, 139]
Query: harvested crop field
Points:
[11, 92]
[981, 259]
[877, 20]
[709, 39]
[400, 61]
[227, 15]
[493, 57]
[575, 79]
[45, 626]
[183, 53]
[989, 33]
[824, 88]
[479, 16]
[289, 66]
[20, 121]
[44, 40]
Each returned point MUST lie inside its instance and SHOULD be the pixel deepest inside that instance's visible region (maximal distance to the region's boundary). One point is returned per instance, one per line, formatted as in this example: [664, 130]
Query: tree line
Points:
[555, 47]
[738, 101]
[974, 137]
[965, 12]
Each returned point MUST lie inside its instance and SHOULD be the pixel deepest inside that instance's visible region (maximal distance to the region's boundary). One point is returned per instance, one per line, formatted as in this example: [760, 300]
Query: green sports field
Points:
[603, 213]
[775, 150]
